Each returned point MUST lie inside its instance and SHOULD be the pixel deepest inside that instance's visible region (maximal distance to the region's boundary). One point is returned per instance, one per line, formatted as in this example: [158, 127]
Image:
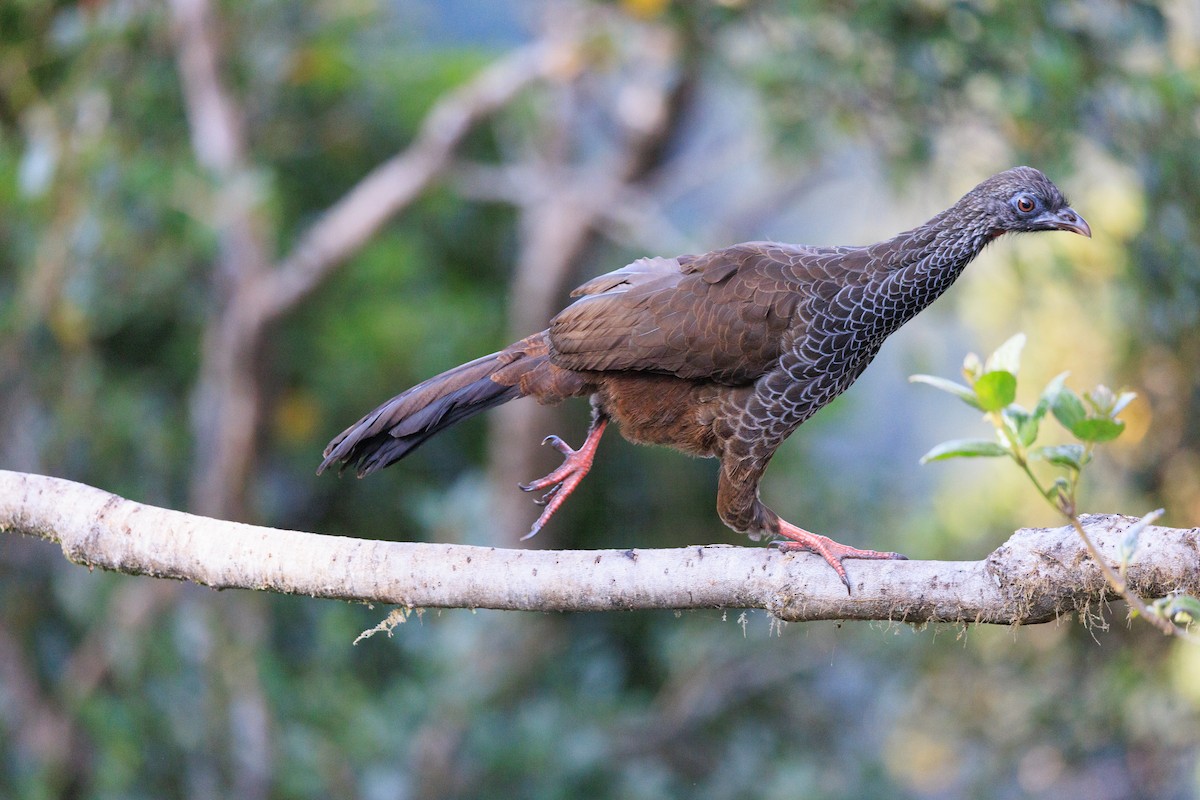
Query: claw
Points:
[831, 551]
[562, 481]
[559, 445]
[547, 497]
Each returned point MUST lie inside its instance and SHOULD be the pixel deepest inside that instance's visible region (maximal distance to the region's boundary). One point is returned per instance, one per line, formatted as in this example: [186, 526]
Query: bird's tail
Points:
[399, 426]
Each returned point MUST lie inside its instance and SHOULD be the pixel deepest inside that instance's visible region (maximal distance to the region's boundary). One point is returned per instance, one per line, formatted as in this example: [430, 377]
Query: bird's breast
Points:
[811, 373]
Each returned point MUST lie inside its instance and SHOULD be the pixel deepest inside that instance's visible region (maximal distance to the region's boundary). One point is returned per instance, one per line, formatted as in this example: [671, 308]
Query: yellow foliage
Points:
[296, 417]
[645, 9]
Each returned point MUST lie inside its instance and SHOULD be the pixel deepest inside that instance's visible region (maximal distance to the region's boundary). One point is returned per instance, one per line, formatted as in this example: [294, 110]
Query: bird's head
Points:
[1023, 199]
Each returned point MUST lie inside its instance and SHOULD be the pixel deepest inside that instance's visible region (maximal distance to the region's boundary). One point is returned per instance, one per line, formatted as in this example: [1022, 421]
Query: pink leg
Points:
[563, 480]
[827, 548]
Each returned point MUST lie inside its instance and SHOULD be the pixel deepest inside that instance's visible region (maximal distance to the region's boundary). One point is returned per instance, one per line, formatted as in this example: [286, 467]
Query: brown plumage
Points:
[719, 355]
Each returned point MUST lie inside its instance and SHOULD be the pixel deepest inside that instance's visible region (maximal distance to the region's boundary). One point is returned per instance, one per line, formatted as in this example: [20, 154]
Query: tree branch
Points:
[213, 116]
[395, 183]
[252, 293]
[1035, 576]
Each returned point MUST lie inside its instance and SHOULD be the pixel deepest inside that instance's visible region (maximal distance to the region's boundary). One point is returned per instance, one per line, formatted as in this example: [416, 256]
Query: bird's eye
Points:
[1025, 204]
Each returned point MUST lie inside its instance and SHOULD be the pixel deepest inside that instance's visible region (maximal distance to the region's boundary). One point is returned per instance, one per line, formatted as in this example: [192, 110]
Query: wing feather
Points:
[724, 316]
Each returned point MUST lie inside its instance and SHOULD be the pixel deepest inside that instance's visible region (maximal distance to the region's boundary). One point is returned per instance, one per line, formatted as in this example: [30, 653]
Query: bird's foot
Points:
[828, 549]
[562, 481]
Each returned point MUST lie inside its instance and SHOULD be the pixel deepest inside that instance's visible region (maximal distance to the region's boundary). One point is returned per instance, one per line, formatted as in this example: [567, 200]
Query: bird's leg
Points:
[563, 480]
[740, 508]
[826, 548]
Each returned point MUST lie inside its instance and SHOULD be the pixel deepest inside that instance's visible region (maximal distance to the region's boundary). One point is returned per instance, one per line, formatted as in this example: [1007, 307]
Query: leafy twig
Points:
[991, 387]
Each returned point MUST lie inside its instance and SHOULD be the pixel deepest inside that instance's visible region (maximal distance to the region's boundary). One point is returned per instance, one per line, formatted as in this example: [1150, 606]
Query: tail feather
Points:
[399, 426]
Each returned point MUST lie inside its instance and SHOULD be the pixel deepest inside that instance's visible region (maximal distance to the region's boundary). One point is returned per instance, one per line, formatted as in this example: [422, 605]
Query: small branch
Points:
[227, 406]
[397, 182]
[251, 292]
[1036, 576]
[1116, 578]
[214, 119]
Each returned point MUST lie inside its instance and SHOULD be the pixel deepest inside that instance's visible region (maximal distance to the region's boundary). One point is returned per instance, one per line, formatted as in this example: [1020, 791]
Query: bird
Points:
[720, 355]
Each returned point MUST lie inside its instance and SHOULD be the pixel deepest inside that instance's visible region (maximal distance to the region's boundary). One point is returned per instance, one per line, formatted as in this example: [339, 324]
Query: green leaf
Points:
[965, 448]
[996, 389]
[1007, 357]
[1098, 429]
[1068, 409]
[1182, 608]
[1052, 389]
[1023, 424]
[1071, 456]
[1027, 428]
[1059, 488]
[957, 389]
[1014, 417]
[1031, 425]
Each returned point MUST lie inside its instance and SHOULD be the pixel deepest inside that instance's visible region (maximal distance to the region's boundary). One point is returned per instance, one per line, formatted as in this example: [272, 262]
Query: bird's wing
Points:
[723, 316]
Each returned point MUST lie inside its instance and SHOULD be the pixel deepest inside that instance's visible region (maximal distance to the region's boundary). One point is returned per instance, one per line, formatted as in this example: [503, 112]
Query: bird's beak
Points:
[1065, 219]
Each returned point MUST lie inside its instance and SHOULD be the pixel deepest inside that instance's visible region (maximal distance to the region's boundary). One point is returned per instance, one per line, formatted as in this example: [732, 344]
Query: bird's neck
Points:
[946, 243]
[917, 266]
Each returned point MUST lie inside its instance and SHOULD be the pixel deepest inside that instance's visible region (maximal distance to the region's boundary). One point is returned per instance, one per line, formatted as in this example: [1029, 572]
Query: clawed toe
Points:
[558, 444]
[562, 481]
[548, 496]
[833, 552]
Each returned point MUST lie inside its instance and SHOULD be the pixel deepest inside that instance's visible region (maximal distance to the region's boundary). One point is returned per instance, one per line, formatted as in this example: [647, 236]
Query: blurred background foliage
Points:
[823, 122]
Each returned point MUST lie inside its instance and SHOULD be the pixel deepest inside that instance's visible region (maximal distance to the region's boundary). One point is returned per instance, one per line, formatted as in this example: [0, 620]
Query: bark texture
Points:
[1036, 576]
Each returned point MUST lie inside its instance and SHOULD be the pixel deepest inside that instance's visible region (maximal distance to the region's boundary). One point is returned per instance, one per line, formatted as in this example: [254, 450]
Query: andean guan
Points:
[720, 355]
